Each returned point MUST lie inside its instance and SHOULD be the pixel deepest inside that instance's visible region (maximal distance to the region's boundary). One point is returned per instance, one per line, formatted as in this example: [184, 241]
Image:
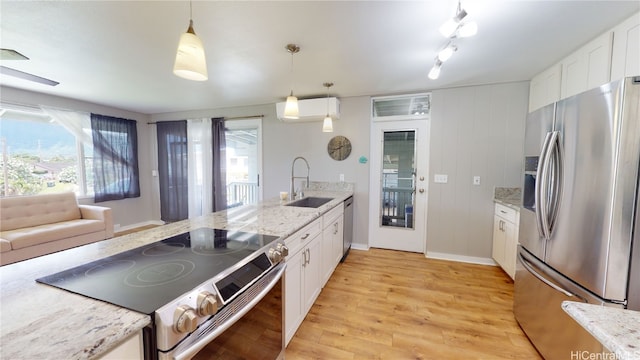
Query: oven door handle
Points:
[192, 350]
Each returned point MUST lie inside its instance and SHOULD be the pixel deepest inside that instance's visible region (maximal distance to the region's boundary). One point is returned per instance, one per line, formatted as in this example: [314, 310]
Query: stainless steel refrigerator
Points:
[579, 224]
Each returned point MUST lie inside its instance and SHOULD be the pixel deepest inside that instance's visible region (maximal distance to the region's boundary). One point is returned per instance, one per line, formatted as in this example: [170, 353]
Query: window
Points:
[40, 155]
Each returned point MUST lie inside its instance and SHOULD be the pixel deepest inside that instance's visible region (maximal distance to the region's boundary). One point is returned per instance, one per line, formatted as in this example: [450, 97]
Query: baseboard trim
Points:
[461, 258]
[359, 247]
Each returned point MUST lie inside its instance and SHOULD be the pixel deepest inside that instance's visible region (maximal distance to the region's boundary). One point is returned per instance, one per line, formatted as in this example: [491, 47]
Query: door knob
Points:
[421, 178]
[421, 191]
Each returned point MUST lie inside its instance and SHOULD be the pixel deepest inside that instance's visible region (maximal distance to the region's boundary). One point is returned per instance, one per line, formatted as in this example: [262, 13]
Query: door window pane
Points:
[242, 166]
[398, 179]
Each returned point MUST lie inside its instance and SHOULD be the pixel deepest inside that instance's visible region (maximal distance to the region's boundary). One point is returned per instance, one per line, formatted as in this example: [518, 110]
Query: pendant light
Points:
[190, 61]
[291, 107]
[327, 124]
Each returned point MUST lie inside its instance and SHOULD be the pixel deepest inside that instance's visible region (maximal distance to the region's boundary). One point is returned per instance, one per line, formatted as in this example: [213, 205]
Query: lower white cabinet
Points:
[505, 238]
[302, 278]
[130, 349]
[314, 253]
[332, 241]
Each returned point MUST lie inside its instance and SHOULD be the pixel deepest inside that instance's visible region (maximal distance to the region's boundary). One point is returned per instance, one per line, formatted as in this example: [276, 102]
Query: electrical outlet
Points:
[476, 180]
[440, 178]
[341, 177]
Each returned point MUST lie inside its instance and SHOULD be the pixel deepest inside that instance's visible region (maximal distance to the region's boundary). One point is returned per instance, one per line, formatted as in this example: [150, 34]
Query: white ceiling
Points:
[121, 53]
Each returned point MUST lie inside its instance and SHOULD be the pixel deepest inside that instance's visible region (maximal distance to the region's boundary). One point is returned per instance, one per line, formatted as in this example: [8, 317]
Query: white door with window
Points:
[244, 161]
[398, 183]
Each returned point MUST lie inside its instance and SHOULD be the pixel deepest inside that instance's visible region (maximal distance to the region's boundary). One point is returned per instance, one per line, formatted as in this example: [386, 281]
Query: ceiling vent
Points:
[312, 109]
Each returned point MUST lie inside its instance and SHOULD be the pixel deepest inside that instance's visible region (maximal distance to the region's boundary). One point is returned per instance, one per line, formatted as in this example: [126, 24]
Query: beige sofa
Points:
[36, 225]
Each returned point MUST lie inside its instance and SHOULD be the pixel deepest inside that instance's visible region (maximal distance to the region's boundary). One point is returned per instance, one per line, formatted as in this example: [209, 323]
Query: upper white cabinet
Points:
[625, 60]
[545, 87]
[611, 56]
[588, 67]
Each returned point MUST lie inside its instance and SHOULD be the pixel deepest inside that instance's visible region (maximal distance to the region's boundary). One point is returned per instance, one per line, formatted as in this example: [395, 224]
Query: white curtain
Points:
[77, 123]
[200, 156]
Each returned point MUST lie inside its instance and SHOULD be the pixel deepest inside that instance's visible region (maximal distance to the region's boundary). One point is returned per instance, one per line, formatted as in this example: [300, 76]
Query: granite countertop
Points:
[43, 322]
[507, 196]
[617, 329]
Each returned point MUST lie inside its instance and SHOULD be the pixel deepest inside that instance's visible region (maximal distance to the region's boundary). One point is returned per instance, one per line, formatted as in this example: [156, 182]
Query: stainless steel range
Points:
[195, 286]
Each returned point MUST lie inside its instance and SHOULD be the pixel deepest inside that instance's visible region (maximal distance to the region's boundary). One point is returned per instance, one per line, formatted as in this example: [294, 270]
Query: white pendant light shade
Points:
[291, 107]
[327, 125]
[190, 61]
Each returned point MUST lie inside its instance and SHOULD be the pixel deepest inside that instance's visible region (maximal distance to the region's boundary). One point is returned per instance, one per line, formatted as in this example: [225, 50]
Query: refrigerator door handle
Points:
[533, 272]
[541, 187]
[555, 156]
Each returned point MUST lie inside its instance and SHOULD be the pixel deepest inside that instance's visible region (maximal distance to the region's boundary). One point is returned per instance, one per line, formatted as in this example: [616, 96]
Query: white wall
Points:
[476, 130]
[125, 212]
[282, 142]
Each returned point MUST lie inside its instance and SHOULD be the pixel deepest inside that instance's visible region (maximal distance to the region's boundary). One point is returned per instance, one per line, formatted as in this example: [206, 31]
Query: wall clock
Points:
[339, 148]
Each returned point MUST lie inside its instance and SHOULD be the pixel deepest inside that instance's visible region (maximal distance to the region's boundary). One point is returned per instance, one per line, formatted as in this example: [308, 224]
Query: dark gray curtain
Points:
[115, 158]
[173, 170]
[219, 164]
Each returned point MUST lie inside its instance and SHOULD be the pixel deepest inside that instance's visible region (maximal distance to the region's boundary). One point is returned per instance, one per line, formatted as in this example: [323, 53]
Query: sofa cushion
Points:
[26, 211]
[35, 235]
[5, 245]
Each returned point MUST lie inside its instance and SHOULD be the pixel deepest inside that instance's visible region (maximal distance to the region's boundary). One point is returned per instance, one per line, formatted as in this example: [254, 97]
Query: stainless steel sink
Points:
[310, 202]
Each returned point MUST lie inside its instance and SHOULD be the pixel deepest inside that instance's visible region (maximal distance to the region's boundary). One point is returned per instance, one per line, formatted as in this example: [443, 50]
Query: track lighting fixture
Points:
[455, 26]
[291, 107]
[447, 52]
[434, 73]
[327, 124]
[190, 61]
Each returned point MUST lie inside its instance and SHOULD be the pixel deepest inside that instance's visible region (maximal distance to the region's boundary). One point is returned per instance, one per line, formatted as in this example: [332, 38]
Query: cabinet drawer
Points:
[507, 213]
[296, 241]
[330, 216]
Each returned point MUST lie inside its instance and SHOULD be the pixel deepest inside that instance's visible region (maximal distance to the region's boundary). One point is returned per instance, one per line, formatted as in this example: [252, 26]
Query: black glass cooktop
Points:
[146, 278]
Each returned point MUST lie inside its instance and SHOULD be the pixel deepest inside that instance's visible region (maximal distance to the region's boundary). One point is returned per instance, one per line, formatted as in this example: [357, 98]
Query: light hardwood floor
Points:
[384, 304]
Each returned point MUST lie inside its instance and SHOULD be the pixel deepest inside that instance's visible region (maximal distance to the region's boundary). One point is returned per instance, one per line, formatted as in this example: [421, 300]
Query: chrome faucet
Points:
[293, 177]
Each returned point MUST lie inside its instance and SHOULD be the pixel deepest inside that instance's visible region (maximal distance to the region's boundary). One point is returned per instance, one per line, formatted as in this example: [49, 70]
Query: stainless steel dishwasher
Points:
[348, 227]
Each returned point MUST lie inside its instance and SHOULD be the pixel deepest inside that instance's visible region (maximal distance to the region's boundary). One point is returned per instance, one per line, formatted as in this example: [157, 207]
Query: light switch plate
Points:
[476, 180]
[440, 178]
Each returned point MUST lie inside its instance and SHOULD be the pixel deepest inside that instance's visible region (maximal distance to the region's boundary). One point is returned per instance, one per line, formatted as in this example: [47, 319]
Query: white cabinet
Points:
[302, 277]
[544, 88]
[625, 58]
[332, 241]
[589, 67]
[130, 349]
[505, 238]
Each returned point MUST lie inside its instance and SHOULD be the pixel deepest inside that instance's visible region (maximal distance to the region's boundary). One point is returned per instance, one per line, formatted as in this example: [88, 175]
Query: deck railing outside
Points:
[242, 193]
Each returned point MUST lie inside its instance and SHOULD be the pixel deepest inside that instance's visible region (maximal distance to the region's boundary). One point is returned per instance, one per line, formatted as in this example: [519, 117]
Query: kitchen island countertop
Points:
[43, 322]
[617, 329]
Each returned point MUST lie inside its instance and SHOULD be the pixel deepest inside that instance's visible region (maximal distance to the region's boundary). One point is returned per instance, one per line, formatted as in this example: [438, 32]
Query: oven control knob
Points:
[207, 304]
[185, 319]
[283, 249]
[275, 255]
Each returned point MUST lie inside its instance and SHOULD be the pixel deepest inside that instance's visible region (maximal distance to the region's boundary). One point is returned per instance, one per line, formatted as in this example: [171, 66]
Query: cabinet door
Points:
[293, 286]
[327, 254]
[625, 60]
[498, 240]
[510, 248]
[312, 272]
[338, 240]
